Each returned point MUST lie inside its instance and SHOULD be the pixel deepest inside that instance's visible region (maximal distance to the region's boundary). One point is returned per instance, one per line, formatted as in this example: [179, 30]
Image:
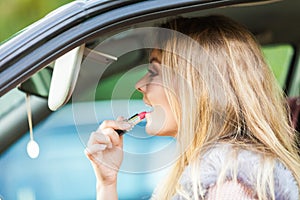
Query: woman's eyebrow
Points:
[154, 59]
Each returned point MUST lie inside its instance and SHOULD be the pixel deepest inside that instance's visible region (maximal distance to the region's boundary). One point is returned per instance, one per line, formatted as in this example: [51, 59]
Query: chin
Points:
[151, 131]
[160, 132]
[162, 125]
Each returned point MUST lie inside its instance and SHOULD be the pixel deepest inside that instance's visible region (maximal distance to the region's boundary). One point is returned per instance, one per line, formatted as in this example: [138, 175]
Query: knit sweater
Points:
[248, 163]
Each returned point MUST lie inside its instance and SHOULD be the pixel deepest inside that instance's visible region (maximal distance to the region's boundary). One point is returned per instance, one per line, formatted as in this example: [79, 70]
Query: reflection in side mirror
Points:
[64, 78]
[38, 84]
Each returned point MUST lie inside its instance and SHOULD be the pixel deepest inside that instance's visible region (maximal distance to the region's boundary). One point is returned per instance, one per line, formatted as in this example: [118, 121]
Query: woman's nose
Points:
[140, 85]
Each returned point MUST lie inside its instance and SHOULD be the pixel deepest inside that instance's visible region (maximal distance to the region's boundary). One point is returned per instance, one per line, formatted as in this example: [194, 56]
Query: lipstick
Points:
[134, 120]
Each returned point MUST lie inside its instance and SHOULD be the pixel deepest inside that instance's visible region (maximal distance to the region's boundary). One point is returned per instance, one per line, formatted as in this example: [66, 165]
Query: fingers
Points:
[95, 153]
[100, 141]
[99, 138]
[93, 149]
[120, 118]
[106, 136]
[119, 124]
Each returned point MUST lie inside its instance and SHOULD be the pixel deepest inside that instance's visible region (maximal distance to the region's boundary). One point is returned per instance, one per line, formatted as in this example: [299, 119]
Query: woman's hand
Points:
[105, 151]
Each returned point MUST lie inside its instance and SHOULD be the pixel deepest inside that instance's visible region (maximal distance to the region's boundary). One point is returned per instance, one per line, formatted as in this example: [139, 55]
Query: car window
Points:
[279, 58]
[295, 86]
[63, 172]
[104, 89]
[10, 101]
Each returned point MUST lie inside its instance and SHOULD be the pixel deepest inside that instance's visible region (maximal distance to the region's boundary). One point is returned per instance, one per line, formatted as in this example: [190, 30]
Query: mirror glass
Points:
[38, 84]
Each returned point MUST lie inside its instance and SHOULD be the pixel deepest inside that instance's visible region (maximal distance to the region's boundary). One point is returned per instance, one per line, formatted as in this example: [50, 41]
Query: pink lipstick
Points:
[134, 120]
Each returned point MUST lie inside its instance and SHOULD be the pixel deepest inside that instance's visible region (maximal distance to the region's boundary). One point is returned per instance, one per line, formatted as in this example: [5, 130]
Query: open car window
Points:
[10, 101]
[279, 58]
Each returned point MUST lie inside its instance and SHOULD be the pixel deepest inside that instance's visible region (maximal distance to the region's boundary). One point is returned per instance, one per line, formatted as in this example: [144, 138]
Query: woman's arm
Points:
[105, 151]
[107, 192]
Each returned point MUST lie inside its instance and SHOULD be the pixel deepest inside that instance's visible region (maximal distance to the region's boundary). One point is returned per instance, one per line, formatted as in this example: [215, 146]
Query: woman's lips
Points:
[148, 114]
[149, 110]
[148, 118]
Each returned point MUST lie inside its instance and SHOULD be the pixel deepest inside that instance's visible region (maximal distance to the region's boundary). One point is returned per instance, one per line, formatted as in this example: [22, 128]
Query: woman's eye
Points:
[152, 73]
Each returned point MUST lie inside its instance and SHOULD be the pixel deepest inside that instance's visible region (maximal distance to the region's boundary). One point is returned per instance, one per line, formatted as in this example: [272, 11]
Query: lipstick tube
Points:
[134, 120]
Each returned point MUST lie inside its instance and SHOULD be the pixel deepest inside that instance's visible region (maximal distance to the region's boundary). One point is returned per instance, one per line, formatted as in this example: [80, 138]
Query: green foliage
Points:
[279, 59]
[120, 86]
[17, 14]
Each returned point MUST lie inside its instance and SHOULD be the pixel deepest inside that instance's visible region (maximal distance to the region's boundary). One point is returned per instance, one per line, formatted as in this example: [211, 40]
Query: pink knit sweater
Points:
[230, 190]
[248, 164]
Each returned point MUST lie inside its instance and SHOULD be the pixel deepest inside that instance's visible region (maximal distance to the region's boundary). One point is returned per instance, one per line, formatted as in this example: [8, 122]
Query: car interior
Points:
[72, 95]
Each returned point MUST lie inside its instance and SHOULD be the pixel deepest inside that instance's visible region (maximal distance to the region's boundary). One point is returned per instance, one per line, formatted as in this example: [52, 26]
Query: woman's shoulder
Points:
[228, 161]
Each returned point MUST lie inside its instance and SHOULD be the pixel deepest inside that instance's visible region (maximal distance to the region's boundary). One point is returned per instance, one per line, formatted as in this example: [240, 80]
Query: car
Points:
[66, 73]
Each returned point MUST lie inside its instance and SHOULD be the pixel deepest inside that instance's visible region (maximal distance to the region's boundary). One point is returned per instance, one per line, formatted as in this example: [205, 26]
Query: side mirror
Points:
[64, 77]
[38, 84]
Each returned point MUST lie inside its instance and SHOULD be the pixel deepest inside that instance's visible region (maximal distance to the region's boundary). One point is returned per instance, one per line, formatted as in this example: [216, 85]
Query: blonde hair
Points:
[225, 92]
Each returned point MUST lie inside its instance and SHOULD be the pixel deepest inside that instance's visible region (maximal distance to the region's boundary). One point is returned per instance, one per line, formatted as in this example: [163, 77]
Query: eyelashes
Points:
[152, 72]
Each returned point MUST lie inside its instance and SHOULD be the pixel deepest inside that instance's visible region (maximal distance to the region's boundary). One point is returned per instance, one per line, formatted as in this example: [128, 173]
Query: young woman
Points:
[209, 84]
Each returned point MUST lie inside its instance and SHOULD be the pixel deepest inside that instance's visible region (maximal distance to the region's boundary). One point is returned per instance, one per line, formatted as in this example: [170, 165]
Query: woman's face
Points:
[161, 120]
